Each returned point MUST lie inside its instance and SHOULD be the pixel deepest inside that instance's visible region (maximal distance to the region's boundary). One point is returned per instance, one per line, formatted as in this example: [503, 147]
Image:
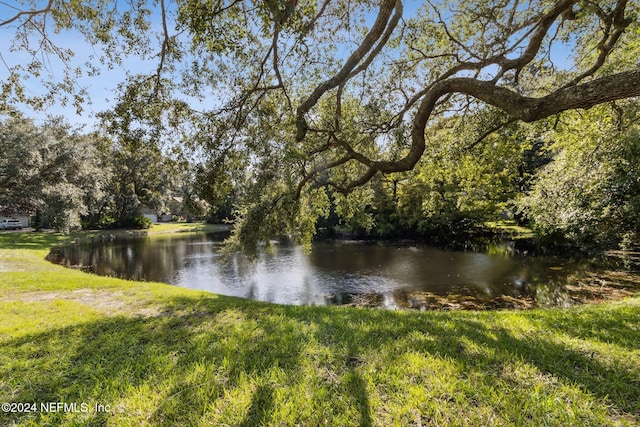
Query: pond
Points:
[341, 272]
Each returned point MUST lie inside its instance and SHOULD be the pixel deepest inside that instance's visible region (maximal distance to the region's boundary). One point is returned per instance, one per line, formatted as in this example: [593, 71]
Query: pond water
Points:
[390, 275]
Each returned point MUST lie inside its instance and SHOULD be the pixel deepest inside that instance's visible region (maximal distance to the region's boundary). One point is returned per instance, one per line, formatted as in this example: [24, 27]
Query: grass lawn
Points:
[509, 227]
[136, 354]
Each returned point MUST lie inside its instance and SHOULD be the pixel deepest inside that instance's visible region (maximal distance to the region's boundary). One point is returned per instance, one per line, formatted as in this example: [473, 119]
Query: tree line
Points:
[574, 177]
[67, 179]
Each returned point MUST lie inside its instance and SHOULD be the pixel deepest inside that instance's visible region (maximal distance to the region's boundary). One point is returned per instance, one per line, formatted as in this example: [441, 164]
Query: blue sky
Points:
[103, 88]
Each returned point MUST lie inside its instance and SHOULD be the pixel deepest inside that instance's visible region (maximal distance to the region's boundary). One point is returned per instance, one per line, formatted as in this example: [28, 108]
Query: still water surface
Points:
[388, 275]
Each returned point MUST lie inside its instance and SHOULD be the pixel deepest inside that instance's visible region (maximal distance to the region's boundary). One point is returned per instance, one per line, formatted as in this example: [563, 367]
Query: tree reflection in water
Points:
[359, 273]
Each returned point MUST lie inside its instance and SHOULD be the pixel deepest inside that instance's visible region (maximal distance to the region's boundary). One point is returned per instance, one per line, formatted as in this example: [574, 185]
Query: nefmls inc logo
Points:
[64, 407]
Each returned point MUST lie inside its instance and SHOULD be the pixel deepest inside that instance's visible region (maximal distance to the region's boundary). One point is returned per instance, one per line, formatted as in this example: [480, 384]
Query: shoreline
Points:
[156, 354]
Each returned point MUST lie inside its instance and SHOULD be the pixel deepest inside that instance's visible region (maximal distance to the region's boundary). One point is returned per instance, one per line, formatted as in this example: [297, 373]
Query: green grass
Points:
[508, 227]
[45, 240]
[161, 355]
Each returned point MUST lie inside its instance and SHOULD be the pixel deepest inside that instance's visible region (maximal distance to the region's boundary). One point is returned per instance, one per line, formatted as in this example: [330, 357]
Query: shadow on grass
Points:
[32, 240]
[240, 361]
[206, 352]
[259, 412]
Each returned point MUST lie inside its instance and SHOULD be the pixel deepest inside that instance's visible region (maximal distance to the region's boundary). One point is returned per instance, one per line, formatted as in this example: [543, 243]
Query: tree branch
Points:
[165, 46]
[586, 95]
[490, 131]
[377, 30]
[609, 39]
[29, 13]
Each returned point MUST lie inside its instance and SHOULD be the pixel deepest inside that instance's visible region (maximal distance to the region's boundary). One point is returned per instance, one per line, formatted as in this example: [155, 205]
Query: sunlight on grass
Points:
[161, 355]
[509, 227]
[45, 240]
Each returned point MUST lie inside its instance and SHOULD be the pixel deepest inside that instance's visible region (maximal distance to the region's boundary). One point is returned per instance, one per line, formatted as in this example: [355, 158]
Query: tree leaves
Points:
[589, 192]
[304, 94]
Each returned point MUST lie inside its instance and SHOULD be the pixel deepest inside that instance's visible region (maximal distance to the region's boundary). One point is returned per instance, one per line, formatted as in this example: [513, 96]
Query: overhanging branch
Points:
[527, 109]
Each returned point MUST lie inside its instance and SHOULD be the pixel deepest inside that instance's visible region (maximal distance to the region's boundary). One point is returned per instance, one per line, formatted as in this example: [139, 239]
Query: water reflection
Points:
[336, 272]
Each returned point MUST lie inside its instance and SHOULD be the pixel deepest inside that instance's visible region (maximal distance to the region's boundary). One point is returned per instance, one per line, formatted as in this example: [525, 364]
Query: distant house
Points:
[165, 217]
[24, 218]
[148, 213]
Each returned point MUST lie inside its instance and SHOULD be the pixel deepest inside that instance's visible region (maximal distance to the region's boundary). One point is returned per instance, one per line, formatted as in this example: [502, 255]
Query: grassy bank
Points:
[509, 228]
[153, 354]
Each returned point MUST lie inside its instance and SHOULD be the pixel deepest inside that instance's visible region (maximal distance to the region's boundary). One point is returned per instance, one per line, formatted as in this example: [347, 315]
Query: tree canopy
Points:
[316, 98]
